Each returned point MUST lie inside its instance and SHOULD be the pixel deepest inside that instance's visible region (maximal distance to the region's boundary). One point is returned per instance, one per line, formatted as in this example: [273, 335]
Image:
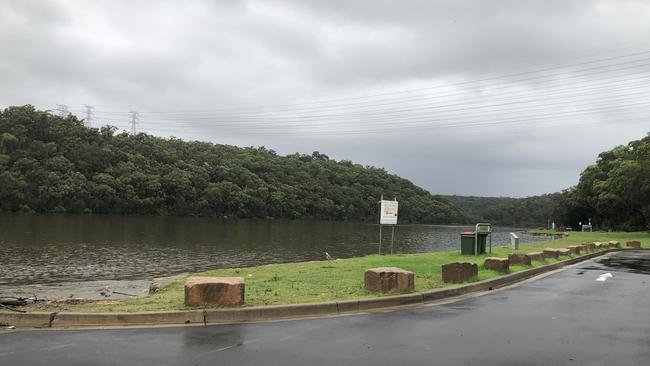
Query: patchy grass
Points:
[340, 279]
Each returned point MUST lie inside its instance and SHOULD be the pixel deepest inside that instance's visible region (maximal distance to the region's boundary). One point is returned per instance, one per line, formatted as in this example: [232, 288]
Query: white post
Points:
[381, 199]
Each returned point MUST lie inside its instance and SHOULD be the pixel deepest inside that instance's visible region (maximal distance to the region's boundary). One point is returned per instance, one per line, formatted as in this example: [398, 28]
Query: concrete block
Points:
[635, 244]
[458, 272]
[536, 256]
[214, 291]
[388, 279]
[517, 258]
[497, 264]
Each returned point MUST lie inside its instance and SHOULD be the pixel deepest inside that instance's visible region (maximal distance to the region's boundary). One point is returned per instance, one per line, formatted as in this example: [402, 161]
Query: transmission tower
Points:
[62, 109]
[134, 120]
[89, 114]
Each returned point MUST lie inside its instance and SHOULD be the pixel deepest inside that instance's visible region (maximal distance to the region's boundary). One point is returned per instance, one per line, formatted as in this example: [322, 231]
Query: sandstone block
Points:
[536, 256]
[574, 249]
[633, 244]
[214, 291]
[389, 279]
[459, 272]
[614, 244]
[551, 253]
[563, 252]
[497, 264]
[517, 258]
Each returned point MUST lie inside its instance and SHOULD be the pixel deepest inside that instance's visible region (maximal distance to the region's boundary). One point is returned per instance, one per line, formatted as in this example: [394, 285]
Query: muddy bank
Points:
[104, 290]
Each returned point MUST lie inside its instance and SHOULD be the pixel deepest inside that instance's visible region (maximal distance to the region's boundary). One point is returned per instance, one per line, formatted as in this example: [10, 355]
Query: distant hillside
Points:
[529, 211]
[53, 164]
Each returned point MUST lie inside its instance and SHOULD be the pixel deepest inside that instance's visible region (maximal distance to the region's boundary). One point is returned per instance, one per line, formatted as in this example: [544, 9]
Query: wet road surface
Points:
[567, 318]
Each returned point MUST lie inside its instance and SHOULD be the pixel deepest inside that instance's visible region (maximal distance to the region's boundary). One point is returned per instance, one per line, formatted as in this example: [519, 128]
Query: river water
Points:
[42, 249]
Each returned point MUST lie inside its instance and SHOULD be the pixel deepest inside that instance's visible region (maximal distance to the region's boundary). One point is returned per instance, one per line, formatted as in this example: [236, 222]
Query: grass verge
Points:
[317, 281]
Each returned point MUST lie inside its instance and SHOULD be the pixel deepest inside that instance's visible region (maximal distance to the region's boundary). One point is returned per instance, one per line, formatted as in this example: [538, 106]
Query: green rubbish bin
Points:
[467, 242]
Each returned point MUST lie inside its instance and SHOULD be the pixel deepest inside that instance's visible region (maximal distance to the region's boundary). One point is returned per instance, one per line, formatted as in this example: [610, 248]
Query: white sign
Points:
[388, 213]
[483, 228]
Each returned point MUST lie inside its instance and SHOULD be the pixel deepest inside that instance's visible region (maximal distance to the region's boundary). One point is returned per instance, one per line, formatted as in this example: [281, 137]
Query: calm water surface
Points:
[40, 249]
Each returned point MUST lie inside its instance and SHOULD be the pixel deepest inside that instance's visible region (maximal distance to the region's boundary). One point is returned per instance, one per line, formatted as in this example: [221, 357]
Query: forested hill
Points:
[529, 211]
[614, 192]
[54, 164]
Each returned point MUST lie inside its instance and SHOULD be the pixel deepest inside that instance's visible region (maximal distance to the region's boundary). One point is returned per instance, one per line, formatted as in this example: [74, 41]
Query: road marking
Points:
[604, 277]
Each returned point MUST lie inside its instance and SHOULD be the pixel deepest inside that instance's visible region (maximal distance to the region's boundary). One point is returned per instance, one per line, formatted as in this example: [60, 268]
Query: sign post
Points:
[387, 216]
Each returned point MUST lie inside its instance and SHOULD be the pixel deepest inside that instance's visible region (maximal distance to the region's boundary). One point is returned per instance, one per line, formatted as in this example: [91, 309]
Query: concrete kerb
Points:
[71, 319]
[263, 313]
[27, 320]
[259, 313]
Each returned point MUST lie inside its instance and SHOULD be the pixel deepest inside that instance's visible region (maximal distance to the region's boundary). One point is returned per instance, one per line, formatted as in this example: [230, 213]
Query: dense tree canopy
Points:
[614, 192]
[530, 211]
[54, 164]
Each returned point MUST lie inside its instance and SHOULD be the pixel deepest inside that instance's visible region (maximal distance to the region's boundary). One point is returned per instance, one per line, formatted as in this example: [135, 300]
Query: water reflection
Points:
[55, 248]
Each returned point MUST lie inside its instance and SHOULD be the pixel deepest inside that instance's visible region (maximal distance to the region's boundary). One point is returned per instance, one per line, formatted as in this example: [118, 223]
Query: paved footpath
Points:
[567, 318]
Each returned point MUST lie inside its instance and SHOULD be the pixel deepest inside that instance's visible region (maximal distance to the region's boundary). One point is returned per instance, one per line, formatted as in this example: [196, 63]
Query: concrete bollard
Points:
[517, 258]
[459, 272]
[387, 279]
[214, 291]
[635, 244]
[497, 264]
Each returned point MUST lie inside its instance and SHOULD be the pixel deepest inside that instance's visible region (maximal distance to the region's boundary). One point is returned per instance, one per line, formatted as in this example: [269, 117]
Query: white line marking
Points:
[603, 277]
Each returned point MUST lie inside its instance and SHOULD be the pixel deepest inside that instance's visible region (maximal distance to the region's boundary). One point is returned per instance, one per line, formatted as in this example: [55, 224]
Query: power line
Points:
[508, 77]
[426, 124]
[474, 84]
[603, 83]
[564, 95]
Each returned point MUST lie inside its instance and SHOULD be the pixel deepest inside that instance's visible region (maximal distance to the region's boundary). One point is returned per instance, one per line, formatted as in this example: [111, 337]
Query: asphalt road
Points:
[567, 318]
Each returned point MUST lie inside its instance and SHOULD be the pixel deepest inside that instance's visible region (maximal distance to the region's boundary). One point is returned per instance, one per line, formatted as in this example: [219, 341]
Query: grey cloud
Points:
[215, 55]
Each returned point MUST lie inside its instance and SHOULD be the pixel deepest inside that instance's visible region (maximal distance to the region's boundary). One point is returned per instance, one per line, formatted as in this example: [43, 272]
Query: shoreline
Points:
[283, 312]
[337, 280]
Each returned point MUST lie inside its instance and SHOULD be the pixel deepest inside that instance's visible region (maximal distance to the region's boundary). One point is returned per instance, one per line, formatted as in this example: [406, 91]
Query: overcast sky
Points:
[490, 98]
